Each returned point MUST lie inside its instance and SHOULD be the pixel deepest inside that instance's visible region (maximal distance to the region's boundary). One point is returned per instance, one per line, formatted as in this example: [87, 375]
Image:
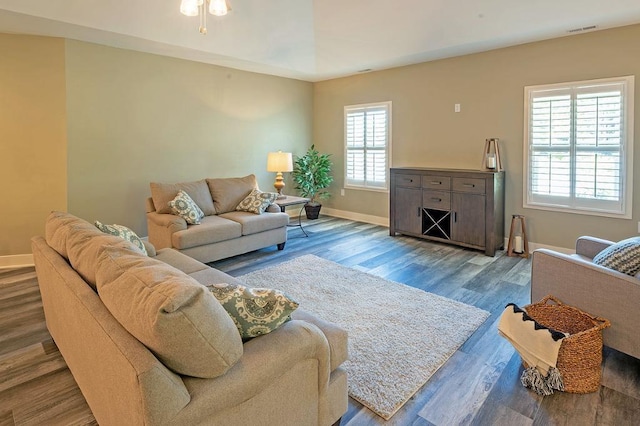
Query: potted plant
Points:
[312, 174]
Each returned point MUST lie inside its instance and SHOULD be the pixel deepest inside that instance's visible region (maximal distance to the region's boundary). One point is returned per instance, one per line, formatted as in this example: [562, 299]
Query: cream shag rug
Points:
[398, 335]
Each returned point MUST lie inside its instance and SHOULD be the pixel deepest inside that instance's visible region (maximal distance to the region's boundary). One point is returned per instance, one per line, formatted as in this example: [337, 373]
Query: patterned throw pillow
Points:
[186, 208]
[257, 201]
[623, 256]
[255, 311]
[122, 232]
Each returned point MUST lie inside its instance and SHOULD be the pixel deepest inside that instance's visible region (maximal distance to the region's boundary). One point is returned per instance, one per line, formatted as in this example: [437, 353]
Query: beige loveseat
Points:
[600, 291]
[224, 232]
[291, 376]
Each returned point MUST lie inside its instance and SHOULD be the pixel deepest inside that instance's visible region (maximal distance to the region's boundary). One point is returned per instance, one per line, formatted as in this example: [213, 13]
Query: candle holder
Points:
[491, 157]
[518, 244]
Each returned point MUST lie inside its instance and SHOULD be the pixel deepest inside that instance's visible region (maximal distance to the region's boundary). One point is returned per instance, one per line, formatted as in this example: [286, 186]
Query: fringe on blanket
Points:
[532, 378]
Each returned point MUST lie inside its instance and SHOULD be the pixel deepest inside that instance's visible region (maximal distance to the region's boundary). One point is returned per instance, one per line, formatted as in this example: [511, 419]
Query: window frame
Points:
[626, 169]
[373, 105]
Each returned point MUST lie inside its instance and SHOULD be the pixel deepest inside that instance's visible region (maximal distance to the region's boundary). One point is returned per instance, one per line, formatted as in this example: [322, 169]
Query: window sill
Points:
[366, 188]
[626, 215]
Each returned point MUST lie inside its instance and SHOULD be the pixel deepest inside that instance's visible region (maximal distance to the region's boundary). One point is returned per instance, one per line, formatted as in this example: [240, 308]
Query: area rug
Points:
[398, 335]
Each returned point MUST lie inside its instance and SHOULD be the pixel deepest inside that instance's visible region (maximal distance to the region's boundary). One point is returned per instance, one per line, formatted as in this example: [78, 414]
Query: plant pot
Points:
[313, 211]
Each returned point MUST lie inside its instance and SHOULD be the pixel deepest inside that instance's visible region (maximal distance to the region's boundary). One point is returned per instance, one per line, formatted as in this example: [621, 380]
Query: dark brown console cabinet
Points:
[463, 207]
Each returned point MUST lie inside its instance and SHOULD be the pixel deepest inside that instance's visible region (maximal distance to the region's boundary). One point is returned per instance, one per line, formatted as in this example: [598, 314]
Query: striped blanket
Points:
[537, 345]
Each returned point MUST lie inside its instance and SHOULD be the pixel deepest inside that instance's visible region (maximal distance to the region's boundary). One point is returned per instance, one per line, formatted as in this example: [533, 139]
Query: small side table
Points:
[291, 200]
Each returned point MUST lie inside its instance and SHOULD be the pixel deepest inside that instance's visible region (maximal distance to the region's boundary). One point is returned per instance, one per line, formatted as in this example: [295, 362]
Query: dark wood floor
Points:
[479, 385]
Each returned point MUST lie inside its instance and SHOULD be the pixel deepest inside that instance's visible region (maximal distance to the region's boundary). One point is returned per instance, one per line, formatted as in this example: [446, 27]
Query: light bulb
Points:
[218, 7]
[190, 7]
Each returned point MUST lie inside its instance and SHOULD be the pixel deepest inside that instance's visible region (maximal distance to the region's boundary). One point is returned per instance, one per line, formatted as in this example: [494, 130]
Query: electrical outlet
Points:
[342, 193]
[456, 108]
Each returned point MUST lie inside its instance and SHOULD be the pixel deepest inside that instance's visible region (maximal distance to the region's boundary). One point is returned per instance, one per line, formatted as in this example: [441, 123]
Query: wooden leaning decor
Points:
[518, 244]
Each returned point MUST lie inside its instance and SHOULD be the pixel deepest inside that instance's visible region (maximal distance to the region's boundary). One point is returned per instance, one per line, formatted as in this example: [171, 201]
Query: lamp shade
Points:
[279, 162]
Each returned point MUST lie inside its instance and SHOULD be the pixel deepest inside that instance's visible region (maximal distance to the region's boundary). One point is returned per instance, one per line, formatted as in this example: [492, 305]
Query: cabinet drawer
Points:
[411, 181]
[473, 186]
[436, 200]
[436, 182]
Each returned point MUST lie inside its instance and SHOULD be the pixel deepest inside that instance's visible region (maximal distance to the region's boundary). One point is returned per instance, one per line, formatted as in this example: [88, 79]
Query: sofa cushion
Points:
[336, 336]
[162, 193]
[80, 243]
[169, 312]
[623, 256]
[212, 229]
[256, 202]
[228, 192]
[182, 205]
[252, 223]
[122, 232]
[255, 311]
[186, 264]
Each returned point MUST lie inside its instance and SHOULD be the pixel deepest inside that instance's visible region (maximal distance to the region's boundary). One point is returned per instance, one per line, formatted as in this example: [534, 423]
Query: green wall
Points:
[490, 88]
[134, 118]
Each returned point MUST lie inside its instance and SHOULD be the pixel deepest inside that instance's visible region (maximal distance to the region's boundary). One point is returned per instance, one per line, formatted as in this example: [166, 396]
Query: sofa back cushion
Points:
[169, 312]
[80, 243]
[162, 193]
[227, 193]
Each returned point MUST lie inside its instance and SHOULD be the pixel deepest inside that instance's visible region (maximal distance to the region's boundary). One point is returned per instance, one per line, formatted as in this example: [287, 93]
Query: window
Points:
[367, 144]
[579, 147]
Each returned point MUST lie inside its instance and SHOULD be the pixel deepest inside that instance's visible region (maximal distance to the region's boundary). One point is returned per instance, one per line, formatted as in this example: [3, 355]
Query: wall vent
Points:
[581, 29]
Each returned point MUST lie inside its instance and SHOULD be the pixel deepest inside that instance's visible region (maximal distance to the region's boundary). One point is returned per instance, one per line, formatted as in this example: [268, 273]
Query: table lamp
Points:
[279, 162]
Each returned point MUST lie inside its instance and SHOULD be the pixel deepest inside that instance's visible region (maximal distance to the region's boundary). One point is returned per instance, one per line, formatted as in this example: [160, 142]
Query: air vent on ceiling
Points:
[581, 29]
[365, 70]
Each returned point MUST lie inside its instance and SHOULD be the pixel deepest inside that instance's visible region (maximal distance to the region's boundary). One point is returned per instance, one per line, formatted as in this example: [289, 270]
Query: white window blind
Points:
[367, 130]
[578, 146]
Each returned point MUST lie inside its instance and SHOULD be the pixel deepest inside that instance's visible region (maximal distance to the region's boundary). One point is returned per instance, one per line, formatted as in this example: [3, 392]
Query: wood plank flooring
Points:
[479, 385]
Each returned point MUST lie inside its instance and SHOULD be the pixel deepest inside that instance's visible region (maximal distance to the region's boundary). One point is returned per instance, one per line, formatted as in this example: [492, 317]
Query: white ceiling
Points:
[315, 40]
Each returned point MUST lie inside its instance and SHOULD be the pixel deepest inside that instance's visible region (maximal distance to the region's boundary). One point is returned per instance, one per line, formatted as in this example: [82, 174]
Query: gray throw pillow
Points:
[254, 311]
[257, 202]
[182, 205]
[623, 256]
[122, 232]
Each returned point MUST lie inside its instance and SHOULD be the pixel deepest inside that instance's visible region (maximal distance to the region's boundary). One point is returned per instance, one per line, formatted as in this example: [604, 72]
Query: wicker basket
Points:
[580, 355]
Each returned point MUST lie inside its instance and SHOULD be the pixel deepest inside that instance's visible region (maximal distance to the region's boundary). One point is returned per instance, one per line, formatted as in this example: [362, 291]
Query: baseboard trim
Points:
[383, 221]
[359, 217]
[534, 246]
[16, 261]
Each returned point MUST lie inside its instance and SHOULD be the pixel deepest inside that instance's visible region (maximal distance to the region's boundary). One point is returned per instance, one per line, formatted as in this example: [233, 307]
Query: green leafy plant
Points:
[312, 174]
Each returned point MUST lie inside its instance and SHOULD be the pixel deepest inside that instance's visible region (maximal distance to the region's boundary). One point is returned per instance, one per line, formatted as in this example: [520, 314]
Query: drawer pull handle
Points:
[419, 211]
[435, 182]
[468, 185]
[436, 199]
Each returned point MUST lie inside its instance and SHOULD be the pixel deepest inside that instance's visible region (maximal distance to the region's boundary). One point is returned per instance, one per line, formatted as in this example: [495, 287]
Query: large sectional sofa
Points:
[224, 232]
[103, 297]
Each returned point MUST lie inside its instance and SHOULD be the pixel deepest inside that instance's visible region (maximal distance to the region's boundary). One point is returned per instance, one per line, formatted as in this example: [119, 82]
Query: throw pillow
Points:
[122, 232]
[162, 193]
[228, 192]
[169, 312]
[186, 208]
[255, 311]
[257, 201]
[623, 256]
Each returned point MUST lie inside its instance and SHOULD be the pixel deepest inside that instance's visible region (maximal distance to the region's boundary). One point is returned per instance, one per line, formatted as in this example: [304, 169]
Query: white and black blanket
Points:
[537, 345]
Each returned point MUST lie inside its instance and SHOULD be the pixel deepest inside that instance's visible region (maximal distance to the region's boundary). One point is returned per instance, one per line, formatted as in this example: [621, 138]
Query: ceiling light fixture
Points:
[196, 7]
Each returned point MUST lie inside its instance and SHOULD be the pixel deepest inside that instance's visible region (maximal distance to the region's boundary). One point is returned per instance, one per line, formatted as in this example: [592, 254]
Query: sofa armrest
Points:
[595, 289]
[162, 226]
[590, 246]
[265, 360]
